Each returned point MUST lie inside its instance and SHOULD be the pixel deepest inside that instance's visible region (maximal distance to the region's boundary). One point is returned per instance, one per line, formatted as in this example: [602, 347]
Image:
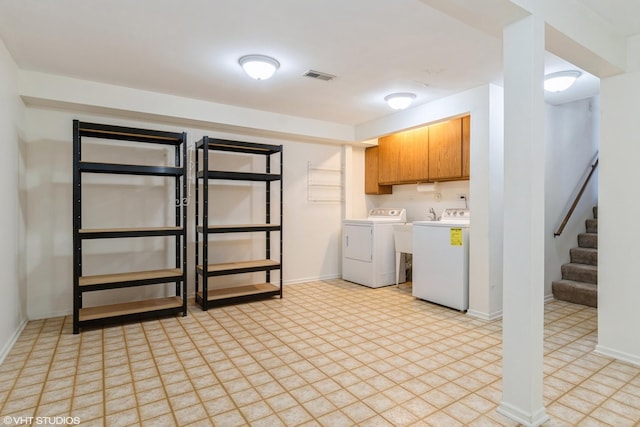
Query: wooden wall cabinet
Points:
[371, 185]
[403, 157]
[439, 152]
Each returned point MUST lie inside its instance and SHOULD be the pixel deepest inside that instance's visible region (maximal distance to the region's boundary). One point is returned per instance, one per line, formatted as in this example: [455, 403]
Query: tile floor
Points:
[330, 353]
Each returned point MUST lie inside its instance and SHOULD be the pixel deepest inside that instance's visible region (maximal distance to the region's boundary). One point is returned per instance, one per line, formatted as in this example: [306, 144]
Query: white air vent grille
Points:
[318, 75]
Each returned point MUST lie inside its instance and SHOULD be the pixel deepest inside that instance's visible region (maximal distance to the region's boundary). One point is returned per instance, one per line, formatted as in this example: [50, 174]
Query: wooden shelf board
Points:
[129, 277]
[239, 291]
[128, 134]
[240, 265]
[130, 169]
[239, 146]
[249, 149]
[240, 176]
[127, 230]
[123, 133]
[221, 228]
[127, 308]
[242, 226]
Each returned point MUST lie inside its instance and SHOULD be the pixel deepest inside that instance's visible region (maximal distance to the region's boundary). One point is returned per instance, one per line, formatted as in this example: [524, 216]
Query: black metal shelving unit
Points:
[134, 310]
[208, 297]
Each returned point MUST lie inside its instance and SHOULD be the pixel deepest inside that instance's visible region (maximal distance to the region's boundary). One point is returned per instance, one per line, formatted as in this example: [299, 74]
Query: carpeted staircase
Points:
[579, 282]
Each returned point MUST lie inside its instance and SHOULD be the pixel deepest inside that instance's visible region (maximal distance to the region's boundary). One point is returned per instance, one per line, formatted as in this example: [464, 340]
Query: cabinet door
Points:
[466, 146]
[371, 161]
[404, 157]
[416, 156]
[445, 150]
[390, 158]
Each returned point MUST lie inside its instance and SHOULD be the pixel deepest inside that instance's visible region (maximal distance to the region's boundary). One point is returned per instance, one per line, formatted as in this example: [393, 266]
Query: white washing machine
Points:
[368, 252]
[441, 259]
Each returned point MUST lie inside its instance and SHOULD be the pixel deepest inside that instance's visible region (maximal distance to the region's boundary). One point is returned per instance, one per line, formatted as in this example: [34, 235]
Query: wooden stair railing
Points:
[594, 165]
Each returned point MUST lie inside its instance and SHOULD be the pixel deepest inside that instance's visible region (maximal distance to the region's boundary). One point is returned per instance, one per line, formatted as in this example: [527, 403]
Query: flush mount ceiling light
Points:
[259, 67]
[400, 101]
[560, 81]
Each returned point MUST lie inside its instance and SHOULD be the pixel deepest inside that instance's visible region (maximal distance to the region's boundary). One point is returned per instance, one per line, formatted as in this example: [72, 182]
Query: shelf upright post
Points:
[177, 207]
[197, 217]
[281, 217]
[268, 215]
[184, 207]
[77, 225]
[205, 223]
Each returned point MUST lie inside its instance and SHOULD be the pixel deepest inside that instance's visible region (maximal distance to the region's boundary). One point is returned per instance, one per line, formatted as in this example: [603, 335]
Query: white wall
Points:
[571, 143]
[618, 229]
[12, 219]
[121, 202]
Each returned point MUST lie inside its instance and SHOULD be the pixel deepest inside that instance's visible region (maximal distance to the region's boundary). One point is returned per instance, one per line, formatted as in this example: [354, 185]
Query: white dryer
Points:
[368, 252]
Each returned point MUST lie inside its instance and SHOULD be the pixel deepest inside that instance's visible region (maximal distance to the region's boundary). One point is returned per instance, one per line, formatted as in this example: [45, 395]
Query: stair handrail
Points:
[594, 165]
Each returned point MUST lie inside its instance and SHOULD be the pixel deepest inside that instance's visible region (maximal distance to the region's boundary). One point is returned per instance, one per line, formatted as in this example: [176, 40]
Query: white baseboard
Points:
[616, 354]
[548, 298]
[14, 337]
[522, 417]
[312, 279]
[51, 315]
[485, 316]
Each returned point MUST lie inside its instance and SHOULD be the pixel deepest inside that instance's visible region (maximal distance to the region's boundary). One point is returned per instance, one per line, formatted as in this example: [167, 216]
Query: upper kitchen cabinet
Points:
[371, 161]
[403, 157]
[439, 152]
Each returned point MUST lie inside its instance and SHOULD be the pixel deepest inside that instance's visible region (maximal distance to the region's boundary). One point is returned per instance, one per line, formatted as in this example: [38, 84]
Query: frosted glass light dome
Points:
[560, 81]
[259, 67]
[400, 101]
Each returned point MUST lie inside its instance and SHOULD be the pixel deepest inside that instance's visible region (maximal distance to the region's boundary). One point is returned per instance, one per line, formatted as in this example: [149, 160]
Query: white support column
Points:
[524, 181]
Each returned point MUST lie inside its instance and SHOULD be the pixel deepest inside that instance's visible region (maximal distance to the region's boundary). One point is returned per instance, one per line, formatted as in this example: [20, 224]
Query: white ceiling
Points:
[623, 16]
[190, 48]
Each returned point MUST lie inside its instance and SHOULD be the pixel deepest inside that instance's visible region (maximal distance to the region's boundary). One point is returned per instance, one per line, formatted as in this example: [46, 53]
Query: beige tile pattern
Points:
[330, 353]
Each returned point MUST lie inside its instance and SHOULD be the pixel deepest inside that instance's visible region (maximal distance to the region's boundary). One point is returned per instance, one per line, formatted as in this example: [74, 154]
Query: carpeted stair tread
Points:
[587, 256]
[580, 272]
[575, 292]
[588, 240]
[579, 282]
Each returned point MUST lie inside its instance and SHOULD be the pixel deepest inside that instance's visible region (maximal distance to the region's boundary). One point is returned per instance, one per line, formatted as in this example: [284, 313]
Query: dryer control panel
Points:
[388, 213]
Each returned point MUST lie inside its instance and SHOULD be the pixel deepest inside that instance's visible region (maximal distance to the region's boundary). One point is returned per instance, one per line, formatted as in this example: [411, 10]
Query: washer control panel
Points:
[456, 214]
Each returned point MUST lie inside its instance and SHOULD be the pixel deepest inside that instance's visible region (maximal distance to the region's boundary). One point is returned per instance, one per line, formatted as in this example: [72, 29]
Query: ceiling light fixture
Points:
[259, 67]
[400, 101]
[560, 81]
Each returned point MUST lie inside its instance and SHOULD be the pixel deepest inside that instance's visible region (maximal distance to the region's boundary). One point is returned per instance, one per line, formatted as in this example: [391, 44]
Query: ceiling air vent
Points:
[318, 75]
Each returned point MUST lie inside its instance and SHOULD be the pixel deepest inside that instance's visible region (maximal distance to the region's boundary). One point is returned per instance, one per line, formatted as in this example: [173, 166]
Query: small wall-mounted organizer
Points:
[206, 151]
[324, 184]
[85, 283]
